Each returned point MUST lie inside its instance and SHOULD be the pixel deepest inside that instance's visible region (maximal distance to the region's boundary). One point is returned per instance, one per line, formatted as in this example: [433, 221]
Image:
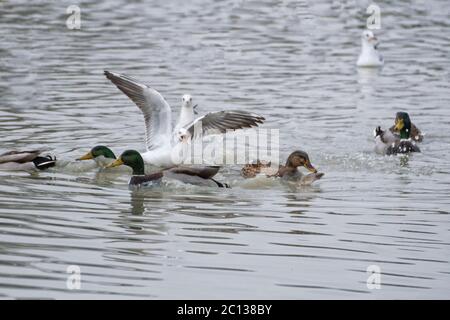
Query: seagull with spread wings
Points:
[166, 146]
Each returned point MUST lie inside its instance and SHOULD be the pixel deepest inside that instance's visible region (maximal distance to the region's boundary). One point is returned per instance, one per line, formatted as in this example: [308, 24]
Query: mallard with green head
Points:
[102, 155]
[287, 172]
[389, 143]
[416, 135]
[26, 160]
[200, 176]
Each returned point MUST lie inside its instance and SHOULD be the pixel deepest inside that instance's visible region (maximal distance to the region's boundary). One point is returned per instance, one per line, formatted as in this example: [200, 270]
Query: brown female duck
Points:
[288, 172]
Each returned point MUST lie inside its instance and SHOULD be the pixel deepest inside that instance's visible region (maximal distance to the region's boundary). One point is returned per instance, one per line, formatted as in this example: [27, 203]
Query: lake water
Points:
[292, 62]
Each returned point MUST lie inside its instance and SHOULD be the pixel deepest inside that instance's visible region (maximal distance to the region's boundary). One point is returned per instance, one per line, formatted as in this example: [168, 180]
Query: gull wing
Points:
[156, 111]
[220, 122]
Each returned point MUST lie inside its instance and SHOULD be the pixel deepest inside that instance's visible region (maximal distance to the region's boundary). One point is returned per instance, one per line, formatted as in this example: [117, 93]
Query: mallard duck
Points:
[26, 160]
[415, 135]
[167, 147]
[288, 172]
[201, 176]
[102, 155]
[388, 143]
[369, 56]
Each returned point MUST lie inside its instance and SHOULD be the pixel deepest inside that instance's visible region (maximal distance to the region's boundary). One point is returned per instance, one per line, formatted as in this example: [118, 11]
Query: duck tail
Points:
[220, 184]
[378, 132]
[43, 163]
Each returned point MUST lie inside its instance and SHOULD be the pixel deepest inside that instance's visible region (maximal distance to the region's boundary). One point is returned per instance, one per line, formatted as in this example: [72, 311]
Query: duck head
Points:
[98, 151]
[403, 125]
[299, 159]
[132, 159]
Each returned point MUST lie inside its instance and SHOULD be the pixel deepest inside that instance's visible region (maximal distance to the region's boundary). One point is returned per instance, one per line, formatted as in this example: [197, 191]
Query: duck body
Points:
[396, 140]
[293, 175]
[383, 140]
[402, 147]
[399, 146]
[416, 135]
[103, 161]
[251, 170]
[146, 180]
[26, 160]
[369, 57]
[200, 176]
[287, 173]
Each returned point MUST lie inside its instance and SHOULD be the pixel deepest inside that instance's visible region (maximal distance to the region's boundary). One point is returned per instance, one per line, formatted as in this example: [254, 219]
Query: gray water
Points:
[292, 62]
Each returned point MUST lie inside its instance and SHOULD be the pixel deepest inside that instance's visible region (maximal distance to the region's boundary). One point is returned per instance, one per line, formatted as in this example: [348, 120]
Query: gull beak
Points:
[310, 167]
[195, 109]
[399, 125]
[116, 163]
[87, 156]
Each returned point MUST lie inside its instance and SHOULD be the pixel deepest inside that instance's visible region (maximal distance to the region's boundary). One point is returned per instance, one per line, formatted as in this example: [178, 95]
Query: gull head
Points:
[186, 101]
[369, 38]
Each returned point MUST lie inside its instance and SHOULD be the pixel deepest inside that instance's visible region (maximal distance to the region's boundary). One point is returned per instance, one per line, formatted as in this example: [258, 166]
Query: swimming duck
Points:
[416, 135]
[369, 56]
[201, 176]
[102, 155]
[165, 146]
[288, 172]
[26, 160]
[388, 142]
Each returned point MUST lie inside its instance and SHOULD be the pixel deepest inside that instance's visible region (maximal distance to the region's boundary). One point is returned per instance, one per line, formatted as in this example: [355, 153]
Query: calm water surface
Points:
[294, 63]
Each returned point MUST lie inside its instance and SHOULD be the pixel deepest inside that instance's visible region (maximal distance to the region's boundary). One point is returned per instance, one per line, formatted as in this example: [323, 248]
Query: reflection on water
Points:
[261, 238]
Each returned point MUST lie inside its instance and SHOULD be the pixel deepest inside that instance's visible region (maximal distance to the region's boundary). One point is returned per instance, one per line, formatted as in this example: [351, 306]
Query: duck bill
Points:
[310, 167]
[115, 163]
[87, 156]
[398, 125]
